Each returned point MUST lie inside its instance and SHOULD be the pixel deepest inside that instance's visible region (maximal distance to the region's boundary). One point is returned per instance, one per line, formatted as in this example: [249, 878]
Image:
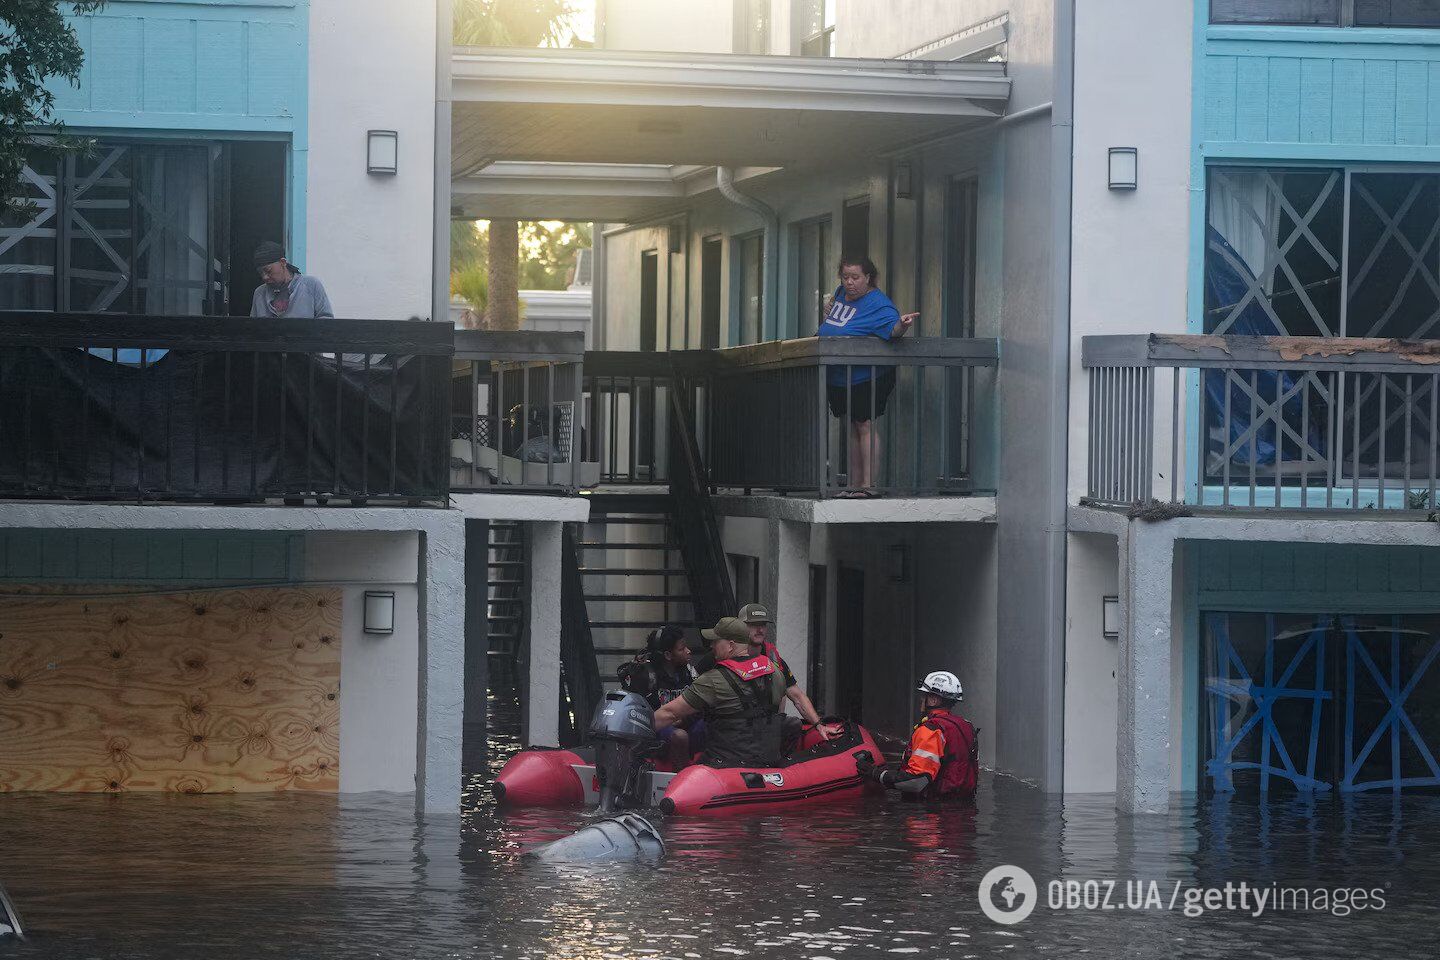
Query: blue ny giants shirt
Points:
[873, 315]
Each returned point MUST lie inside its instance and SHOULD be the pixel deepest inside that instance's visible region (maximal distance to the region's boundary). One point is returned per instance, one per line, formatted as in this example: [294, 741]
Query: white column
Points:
[442, 665]
[542, 698]
[1147, 558]
[788, 593]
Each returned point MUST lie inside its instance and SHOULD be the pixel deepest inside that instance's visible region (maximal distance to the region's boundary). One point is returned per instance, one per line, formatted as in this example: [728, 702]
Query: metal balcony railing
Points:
[221, 408]
[516, 411]
[769, 420]
[1250, 423]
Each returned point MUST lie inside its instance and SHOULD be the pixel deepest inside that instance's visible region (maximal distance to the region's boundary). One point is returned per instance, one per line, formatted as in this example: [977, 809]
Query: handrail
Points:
[858, 351]
[579, 668]
[43, 329]
[520, 346]
[700, 543]
[1346, 354]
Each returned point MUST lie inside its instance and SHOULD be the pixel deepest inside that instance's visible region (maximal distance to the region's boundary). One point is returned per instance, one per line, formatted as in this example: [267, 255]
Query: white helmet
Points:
[944, 684]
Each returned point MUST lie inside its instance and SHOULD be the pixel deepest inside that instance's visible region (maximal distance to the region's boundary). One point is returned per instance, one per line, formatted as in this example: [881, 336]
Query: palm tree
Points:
[509, 23]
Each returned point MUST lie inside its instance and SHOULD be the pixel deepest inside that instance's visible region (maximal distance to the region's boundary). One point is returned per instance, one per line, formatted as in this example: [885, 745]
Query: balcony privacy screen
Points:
[202, 425]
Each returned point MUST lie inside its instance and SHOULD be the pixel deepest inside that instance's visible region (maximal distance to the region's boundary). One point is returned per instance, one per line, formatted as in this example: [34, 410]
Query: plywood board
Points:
[193, 692]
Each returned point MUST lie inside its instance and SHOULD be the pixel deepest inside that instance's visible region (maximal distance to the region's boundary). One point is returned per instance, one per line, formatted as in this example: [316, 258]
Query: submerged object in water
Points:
[626, 837]
[9, 918]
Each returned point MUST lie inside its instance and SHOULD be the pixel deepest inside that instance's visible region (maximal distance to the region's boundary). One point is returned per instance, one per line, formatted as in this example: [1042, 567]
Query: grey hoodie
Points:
[306, 296]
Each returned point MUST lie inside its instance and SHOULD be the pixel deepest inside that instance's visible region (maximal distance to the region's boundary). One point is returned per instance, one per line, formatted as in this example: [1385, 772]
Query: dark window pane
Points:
[1275, 11]
[1273, 251]
[1397, 13]
[27, 237]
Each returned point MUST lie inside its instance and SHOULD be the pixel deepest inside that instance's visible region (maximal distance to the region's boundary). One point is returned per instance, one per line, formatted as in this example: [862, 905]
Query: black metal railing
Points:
[779, 416]
[515, 412]
[627, 410]
[221, 408]
[1235, 422]
[701, 547]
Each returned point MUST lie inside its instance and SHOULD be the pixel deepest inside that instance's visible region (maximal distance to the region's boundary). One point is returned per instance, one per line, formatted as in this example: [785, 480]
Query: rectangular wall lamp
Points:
[380, 611]
[382, 152]
[1124, 168]
[1110, 617]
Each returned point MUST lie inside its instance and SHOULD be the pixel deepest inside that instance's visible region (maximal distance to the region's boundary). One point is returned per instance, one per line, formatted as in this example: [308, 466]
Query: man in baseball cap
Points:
[740, 698]
[284, 291]
[757, 620]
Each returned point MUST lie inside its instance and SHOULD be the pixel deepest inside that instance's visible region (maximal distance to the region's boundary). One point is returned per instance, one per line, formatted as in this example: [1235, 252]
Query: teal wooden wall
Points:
[169, 556]
[1319, 577]
[203, 69]
[1319, 93]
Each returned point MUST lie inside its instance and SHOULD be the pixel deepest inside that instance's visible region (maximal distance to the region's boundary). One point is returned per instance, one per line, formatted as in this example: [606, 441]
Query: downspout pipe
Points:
[770, 268]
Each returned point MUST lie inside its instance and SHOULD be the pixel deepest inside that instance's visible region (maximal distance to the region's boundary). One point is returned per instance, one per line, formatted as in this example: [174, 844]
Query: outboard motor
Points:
[626, 837]
[624, 736]
[10, 918]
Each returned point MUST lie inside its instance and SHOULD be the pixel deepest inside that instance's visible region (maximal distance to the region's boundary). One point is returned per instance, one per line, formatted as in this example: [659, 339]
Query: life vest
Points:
[753, 735]
[961, 761]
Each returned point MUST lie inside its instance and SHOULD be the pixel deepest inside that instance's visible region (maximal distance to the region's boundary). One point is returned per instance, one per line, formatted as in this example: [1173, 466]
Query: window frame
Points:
[1345, 18]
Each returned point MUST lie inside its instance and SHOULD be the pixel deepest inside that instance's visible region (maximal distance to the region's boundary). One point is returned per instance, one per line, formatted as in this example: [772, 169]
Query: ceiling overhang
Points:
[624, 123]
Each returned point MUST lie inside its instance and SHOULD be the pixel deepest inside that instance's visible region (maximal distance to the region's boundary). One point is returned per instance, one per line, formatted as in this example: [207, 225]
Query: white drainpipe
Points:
[770, 269]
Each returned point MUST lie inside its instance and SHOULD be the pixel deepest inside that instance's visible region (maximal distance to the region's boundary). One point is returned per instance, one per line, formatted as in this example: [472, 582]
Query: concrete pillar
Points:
[542, 695]
[440, 723]
[1147, 558]
[787, 590]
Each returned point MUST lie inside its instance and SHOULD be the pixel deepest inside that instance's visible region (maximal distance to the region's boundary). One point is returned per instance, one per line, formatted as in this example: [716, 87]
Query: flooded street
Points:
[315, 876]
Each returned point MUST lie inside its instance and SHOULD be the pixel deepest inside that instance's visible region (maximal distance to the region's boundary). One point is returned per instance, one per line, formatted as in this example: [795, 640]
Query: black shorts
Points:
[859, 396]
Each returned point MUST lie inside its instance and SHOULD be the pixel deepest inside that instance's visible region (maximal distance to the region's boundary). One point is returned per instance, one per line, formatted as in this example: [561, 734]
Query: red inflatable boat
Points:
[820, 772]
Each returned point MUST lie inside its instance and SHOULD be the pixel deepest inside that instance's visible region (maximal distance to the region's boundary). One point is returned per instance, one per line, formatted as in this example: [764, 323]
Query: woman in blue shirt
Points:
[860, 310]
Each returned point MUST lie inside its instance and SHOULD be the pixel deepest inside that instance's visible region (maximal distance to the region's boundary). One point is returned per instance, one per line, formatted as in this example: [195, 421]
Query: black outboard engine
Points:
[10, 918]
[624, 736]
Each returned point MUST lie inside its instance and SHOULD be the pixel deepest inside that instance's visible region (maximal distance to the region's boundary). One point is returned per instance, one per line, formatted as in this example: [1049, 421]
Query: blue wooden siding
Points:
[168, 556]
[203, 69]
[191, 66]
[1317, 578]
[1317, 93]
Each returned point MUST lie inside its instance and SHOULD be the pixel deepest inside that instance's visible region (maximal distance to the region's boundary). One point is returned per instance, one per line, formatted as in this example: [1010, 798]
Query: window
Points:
[815, 277]
[815, 28]
[745, 575]
[649, 299]
[1342, 13]
[142, 228]
[752, 26]
[1320, 252]
[752, 288]
[710, 274]
[855, 228]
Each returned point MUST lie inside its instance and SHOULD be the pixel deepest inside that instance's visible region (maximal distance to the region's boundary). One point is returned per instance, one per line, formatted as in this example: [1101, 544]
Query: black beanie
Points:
[267, 253]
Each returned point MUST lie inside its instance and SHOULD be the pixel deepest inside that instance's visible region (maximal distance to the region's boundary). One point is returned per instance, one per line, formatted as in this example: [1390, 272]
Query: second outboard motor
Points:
[624, 736]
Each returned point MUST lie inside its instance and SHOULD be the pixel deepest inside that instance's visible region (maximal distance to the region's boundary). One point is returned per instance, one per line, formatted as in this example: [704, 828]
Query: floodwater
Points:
[323, 877]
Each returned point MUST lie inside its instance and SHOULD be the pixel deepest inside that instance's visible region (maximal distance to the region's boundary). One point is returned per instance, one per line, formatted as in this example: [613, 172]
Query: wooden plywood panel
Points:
[196, 692]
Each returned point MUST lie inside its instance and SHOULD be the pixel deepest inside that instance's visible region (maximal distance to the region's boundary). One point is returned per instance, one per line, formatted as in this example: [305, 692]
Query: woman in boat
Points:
[658, 674]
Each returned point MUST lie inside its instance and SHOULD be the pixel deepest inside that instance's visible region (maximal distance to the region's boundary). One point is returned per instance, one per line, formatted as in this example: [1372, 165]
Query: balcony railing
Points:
[515, 412]
[1247, 423]
[221, 409]
[769, 415]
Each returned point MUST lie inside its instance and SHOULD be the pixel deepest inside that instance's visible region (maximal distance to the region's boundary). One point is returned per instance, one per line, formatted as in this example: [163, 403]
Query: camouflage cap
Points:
[729, 628]
[755, 613]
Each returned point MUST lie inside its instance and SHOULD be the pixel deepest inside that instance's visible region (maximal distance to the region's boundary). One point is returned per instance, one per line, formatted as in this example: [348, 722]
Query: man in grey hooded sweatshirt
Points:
[286, 292]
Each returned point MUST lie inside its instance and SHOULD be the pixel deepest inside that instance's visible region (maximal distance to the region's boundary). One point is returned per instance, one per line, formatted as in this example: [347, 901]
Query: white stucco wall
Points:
[700, 26]
[379, 675]
[1091, 690]
[372, 67]
[1131, 248]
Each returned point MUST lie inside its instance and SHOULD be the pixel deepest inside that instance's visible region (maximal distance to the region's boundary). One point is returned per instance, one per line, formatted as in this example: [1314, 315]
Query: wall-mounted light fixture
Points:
[1124, 168]
[904, 181]
[380, 611]
[382, 152]
[1110, 617]
[900, 563]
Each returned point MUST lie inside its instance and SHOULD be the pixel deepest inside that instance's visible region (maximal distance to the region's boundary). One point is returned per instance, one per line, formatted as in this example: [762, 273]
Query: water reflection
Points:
[149, 877]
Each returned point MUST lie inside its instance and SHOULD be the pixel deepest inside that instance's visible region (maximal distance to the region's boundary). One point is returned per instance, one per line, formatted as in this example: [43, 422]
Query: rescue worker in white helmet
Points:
[942, 760]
